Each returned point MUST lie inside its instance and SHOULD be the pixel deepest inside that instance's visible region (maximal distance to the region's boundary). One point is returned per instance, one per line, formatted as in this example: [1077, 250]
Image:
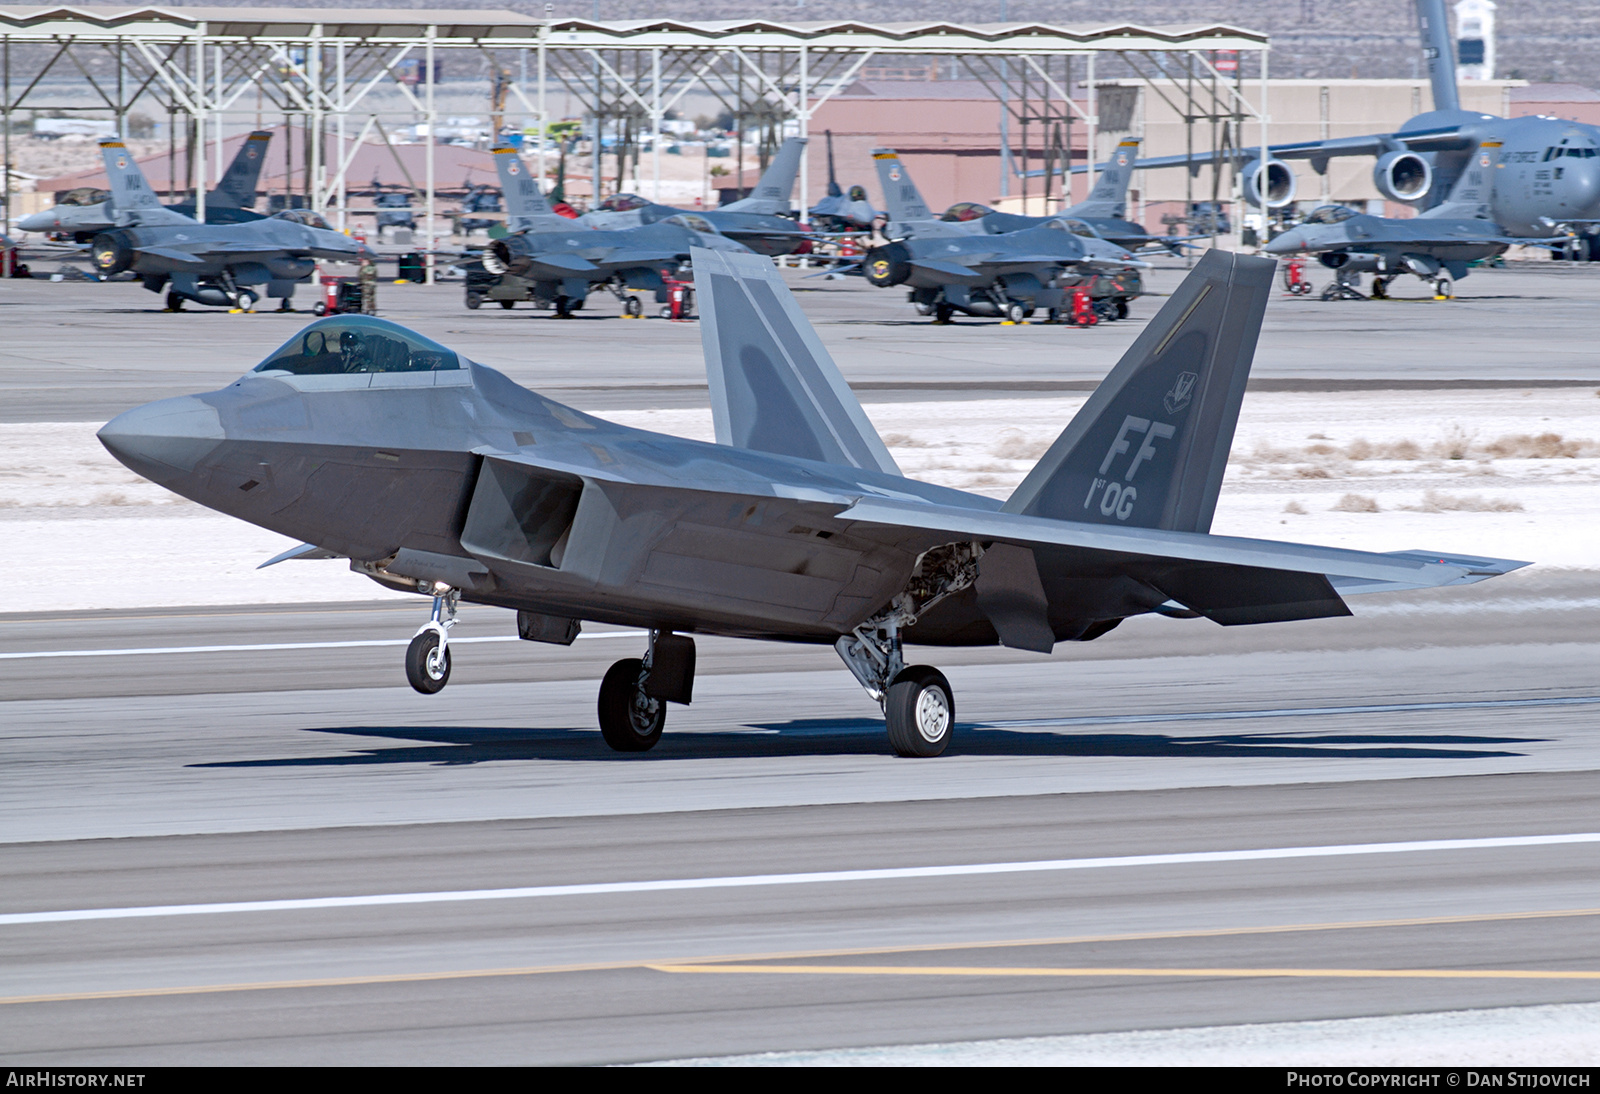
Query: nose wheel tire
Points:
[630, 721]
[632, 308]
[427, 663]
[920, 712]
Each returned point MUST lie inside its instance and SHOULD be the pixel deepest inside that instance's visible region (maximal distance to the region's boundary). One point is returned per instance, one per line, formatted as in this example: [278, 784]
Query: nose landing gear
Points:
[428, 656]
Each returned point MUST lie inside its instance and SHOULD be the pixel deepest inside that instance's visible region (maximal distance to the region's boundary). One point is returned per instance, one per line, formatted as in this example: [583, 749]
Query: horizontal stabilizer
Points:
[1149, 448]
[570, 264]
[773, 386]
[642, 258]
[950, 269]
[179, 256]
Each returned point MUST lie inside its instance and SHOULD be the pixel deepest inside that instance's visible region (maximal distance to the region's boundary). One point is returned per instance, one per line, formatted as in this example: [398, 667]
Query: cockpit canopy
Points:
[621, 203]
[1076, 227]
[966, 210]
[303, 216]
[694, 223]
[1330, 214]
[343, 344]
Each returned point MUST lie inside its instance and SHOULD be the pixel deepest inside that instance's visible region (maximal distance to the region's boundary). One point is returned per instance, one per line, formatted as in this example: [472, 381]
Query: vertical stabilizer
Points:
[902, 199]
[772, 194]
[1438, 51]
[238, 187]
[1149, 447]
[1474, 189]
[132, 202]
[773, 386]
[1109, 198]
[526, 207]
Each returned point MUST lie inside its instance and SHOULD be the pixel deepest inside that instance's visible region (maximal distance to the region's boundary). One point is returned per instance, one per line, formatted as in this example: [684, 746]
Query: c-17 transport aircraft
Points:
[434, 474]
[1545, 171]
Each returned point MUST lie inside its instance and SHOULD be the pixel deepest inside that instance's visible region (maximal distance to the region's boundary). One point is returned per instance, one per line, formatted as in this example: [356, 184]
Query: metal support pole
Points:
[805, 131]
[314, 75]
[433, 138]
[655, 120]
[544, 117]
[1094, 124]
[344, 152]
[5, 62]
[1266, 224]
[216, 84]
[197, 132]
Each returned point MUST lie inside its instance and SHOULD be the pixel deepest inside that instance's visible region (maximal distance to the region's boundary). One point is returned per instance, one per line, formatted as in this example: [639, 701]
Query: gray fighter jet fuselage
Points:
[762, 222]
[436, 475]
[229, 203]
[957, 266]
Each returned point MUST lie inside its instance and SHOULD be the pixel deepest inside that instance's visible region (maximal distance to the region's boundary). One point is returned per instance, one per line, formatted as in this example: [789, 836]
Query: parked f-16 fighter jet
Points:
[841, 210]
[553, 260]
[213, 264]
[955, 266]
[229, 203]
[764, 221]
[434, 474]
[1103, 213]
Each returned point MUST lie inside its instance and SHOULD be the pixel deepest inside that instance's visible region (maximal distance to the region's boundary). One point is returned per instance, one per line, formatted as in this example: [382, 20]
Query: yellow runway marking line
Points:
[722, 962]
[960, 970]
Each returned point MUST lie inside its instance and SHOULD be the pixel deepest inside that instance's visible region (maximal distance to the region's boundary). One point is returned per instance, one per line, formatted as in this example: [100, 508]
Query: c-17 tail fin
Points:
[1109, 198]
[237, 190]
[133, 203]
[773, 386]
[526, 207]
[1149, 448]
[775, 189]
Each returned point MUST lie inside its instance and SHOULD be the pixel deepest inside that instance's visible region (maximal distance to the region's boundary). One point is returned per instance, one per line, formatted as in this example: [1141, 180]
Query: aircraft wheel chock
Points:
[920, 712]
[630, 720]
[427, 663]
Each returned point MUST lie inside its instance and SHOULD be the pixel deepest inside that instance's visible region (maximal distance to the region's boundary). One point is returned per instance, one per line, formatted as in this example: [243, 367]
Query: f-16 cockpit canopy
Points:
[303, 216]
[1330, 214]
[966, 210]
[621, 203]
[1076, 227]
[694, 223]
[357, 344]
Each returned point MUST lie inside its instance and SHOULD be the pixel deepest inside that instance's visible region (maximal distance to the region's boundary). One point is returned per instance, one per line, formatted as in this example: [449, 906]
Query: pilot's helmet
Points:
[858, 193]
[349, 341]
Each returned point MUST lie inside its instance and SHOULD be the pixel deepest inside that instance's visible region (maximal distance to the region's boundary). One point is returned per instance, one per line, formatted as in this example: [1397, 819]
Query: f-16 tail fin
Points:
[773, 192]
[133, 203]
[773, 386]
[526, 207]
[1149, 447]
[237, 190]
[1109, 198]
[902, 200]
[1469, 197]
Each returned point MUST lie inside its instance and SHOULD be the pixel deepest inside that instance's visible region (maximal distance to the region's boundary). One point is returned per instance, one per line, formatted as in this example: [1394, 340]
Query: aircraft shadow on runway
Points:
[450, 745]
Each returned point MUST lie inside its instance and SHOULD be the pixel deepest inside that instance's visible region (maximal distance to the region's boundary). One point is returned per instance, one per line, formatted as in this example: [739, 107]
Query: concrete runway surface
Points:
[473, 878]
[233, 834]
[81, 351]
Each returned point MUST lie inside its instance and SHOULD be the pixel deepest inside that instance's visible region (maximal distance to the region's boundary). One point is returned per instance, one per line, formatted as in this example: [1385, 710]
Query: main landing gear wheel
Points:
[920, 711]
[630, 720]
[174, 302]
[632, 308]
[942, 313]
[1444, 289]
[1016, 313]
[428, 663]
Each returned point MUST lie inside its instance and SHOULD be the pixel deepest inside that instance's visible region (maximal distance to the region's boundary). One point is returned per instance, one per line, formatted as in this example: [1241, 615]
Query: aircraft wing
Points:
[638, 257]
[172, 255]
[566, 263]
[1446, 139]
[946, 267]
[1194, 568]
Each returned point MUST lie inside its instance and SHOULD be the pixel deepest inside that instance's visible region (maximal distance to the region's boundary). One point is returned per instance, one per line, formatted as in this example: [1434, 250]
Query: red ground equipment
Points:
[1081, 311]
[1294, 277]
[680, 297]
[340, 295]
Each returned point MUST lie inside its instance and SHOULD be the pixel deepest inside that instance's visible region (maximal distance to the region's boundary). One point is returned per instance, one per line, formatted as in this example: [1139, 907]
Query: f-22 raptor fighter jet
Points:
[229, 203]
[434, 474]
[215, 264]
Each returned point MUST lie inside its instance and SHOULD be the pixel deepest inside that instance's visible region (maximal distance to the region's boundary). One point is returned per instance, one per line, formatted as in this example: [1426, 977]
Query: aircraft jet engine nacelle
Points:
[1274, 178]
[510, 255]
[112, 251]
[888, 265]
[1402, 176]
[1355, 263]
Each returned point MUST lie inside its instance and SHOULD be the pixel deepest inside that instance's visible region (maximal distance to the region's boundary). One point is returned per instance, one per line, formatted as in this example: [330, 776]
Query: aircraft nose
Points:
[164, 441]
[1288, 243]
[37, 222]
[1580, 187]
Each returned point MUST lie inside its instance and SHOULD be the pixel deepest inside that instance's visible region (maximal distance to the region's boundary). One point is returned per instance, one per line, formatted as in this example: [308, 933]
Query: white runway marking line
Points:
[267, 646]
[817, 878]
[1283, 712]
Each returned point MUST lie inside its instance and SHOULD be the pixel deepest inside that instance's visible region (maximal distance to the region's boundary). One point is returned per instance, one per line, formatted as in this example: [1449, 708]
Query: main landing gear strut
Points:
[635, 692]
[919, 709]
